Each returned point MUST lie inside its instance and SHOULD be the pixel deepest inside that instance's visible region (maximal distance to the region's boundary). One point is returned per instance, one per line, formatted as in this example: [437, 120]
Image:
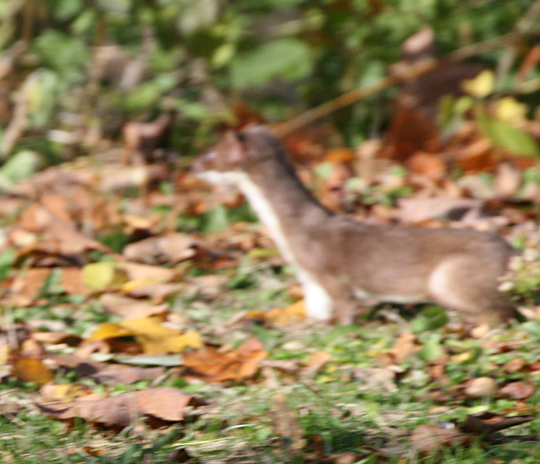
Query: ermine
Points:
[340, 261]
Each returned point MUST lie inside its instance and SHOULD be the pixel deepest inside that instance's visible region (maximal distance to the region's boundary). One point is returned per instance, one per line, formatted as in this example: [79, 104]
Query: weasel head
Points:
[239, 153]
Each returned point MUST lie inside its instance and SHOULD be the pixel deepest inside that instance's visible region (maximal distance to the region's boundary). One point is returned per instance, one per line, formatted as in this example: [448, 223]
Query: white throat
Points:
[258, 202]
[318, 302]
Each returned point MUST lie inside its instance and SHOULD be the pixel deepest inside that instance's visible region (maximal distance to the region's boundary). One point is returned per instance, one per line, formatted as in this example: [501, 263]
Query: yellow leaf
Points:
[509, 109]
[32, 370]
[461, 357]
[110, 330]
[103, 275]
[283, 316]
[481, 86]
[155, 338]
[144, 282]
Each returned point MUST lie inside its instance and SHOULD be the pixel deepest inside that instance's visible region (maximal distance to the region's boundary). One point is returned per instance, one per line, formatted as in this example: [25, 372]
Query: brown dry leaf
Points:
[72, 281]
[118, 373]
[57, 205]
[126, 307]
[119, 177]
[32, 370]
[57, 237]
[428, 439]
[481, 387]
[429, 165]
[517, 390]
[144, 137]
[476, 157]
[147, 281]
[508, 179]
[64, 393]
[409, 132]
[157, 292]
[56, 338]
[318, 359]
[171, 248]
[405, 345]
[163, 403]
[515, 365]
[340, 155]
[103, 372]
[212, 366]
[26, 287]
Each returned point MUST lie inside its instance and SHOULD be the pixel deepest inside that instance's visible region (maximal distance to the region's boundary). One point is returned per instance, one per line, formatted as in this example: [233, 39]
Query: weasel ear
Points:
[234, 147]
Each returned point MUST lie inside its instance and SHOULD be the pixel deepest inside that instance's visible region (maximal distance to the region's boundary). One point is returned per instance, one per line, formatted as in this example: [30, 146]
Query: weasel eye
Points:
[241, 137]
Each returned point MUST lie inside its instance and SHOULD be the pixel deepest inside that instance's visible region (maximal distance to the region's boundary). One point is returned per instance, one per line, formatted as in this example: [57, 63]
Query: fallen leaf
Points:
[318, 359]
[26, 287]
[64, 393]
[481, 86]
[150, 333]
[280, 316]
[32, 370]
[103, 372]
[171, 248]
[481, 387]
[212, 366]
[110, 330]
[164, 403]
[517, 390]
[158, 339]
[429, 165]
[405, 345]
[56, 338]
[428, 439]
[126, 307]
[104, 275]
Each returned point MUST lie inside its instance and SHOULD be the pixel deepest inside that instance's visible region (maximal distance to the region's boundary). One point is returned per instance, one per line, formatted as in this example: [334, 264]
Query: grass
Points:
[353, 407]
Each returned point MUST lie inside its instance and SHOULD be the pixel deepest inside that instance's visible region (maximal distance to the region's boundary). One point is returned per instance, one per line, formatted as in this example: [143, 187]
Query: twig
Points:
[413, 72]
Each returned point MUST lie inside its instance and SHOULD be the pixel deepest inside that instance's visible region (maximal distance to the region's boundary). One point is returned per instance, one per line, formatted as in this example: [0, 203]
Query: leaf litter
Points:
[215, 312]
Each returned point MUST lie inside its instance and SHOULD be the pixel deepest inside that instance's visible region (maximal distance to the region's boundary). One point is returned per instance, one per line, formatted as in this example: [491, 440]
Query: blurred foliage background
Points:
[73, 72]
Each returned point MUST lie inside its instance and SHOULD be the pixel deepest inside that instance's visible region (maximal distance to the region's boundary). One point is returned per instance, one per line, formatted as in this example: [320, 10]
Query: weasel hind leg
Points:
[471, 288]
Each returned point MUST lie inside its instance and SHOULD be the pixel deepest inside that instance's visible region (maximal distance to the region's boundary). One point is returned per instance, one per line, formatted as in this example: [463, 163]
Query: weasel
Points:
[339, 260]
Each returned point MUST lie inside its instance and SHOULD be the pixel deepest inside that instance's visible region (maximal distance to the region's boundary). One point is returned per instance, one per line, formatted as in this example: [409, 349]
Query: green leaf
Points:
[288, 59]
[433, 317]
[198, 14]
[432, 349]
[172, 360]
[533, 327]
[21, 165]
[504, 135]
[215, 220]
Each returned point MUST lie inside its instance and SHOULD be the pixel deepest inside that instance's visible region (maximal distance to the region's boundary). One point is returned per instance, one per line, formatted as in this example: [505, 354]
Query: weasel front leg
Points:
[319, 304]
[323, 305]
